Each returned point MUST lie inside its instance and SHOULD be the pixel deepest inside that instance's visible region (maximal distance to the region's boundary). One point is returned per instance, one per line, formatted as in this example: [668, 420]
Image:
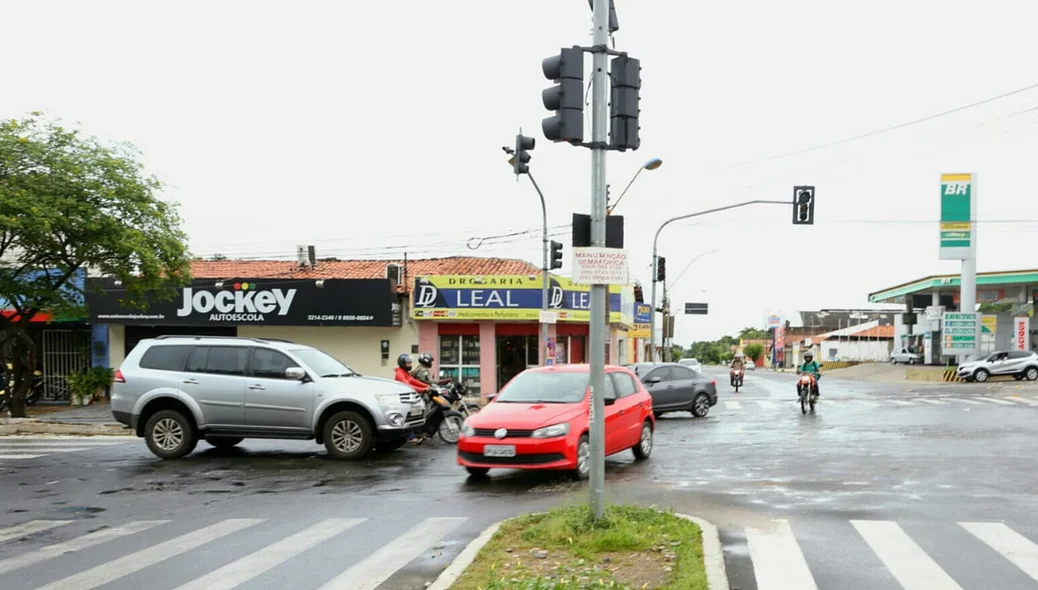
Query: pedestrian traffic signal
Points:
[566, 97]
[556, 255]
[522, 157]
[803, 205]
[626, 80]
[661, 269]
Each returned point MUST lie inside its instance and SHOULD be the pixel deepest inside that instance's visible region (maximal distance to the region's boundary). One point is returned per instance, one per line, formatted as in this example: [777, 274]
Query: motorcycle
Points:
[737, 376]
[31, 397]
[454, 393]
[441, 419]
[806, 386]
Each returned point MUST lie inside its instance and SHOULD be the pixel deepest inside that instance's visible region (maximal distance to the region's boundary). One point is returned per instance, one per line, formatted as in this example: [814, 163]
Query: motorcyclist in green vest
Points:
[811, 367]
[423, 372]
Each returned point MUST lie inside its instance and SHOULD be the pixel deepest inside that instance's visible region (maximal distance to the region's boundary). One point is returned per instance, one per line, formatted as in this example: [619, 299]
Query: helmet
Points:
[809, 355]
[403, 361]
[426, 360]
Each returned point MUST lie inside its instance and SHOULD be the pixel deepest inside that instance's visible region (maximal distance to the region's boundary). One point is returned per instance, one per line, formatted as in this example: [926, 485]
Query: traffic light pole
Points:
[543, 347]
[655, 258]
[599, 293]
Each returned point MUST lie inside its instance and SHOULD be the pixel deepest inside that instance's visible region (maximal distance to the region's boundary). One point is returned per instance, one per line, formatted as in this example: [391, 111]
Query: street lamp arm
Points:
[620, 198]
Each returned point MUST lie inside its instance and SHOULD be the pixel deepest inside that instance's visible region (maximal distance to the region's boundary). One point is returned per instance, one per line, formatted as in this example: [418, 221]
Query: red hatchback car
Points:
[540, 420]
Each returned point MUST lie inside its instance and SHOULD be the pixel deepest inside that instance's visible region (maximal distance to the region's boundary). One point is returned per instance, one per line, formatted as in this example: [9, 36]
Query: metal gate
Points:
[64, 352]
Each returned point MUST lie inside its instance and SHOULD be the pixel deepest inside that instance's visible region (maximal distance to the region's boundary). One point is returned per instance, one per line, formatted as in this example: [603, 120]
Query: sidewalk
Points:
[92, 420]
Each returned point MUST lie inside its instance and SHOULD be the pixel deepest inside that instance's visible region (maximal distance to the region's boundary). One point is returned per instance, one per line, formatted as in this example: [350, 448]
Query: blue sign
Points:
[428, 295]
[73, 288]
[642, 313]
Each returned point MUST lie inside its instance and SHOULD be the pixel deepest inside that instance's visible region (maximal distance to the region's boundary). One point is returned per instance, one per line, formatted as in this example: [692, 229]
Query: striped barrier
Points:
[952, 376]
[834, 365]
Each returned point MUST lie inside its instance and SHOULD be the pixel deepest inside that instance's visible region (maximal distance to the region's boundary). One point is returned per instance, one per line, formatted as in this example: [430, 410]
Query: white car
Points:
[691, 363]
[910, 358]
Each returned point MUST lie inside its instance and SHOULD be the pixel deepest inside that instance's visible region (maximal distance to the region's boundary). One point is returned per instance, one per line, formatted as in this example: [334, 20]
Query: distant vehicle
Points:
[750, 365]
[1020, 364]
[691, 363]
[909, 358]
[676, 387]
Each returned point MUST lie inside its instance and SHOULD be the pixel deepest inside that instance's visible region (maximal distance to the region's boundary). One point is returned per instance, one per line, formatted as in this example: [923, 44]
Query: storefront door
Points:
[514, 355]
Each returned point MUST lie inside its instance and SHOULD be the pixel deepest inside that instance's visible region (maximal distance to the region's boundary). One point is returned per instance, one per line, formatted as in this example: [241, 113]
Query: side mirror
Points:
[295, 373]
[652, 380]
[609, 401]
[490, 397]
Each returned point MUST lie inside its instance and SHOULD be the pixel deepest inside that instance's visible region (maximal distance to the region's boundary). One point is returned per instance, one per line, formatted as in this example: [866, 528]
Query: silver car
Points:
[174, 390]
[1018, 363]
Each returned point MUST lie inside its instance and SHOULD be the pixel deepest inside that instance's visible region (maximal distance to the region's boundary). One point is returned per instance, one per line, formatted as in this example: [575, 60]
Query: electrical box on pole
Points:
[556, 255]
[803, 205]
[625, 75]
[566, 97]
[521, 158]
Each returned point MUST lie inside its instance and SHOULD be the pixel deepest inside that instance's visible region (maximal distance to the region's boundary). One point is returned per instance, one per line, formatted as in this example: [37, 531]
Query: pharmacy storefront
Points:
[484, 329]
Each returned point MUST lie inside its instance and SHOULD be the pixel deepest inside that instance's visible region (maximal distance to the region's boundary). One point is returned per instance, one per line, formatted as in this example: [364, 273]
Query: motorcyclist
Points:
[812, 368]
[737, 365]
[423, 372]
[403, 375]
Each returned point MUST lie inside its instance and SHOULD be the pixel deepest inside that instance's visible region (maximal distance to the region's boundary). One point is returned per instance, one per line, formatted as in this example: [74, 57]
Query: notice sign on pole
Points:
[958, 216]
[600, 266]
[960, 332]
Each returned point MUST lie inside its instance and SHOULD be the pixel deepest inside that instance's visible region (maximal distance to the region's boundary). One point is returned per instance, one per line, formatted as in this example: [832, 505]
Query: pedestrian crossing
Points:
[877, 402]
[235, 553]
[893, 559]
[20, 448]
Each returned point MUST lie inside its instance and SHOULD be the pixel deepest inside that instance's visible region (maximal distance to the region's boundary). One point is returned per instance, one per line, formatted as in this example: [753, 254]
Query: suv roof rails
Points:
[200, 337]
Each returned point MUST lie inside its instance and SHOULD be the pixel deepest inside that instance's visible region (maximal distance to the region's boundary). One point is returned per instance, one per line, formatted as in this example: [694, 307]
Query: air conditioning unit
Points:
[395, 272]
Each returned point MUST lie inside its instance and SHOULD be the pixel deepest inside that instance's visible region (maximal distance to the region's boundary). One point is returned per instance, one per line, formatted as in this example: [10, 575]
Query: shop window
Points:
[459, 360]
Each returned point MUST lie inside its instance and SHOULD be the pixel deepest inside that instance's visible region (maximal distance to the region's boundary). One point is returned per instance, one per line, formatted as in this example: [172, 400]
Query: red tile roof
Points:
[358, 269]
[876, 332]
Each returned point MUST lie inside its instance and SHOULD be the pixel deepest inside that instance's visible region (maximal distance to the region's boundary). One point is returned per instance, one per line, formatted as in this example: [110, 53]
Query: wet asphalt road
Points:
[871, 452]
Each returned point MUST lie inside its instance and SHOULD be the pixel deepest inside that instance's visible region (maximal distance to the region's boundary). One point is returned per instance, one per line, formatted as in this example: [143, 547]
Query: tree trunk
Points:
[23, 360]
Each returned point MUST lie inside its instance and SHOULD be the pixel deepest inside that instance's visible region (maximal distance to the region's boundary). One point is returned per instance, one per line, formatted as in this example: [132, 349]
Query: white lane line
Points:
[765, 404]
[909, 564]
[995, 400]
[733, 405]
[935, 402]
[778, 563]
[134, 562]
[1019, 550]
[966, 401]
[901, 402]
[1023, 400]
[254, 564]
[380, 565]
[865, 403]
[10, 456]
[29, 528]
[77, 544]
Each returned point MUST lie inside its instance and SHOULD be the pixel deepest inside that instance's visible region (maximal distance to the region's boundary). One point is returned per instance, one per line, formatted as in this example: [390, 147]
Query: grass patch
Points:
[632, 548]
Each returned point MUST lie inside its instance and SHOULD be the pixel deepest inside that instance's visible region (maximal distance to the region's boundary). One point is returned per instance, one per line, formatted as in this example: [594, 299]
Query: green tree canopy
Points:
[71, 204]
[754, 350]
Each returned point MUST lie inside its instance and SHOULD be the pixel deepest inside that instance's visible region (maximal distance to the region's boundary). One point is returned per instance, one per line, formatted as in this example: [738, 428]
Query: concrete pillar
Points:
[487, 358]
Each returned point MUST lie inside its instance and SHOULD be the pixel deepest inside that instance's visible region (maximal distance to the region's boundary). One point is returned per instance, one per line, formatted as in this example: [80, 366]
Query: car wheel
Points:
[1018, 377]
[224, 442]
[1032, 373]
[478, 471]
[893, 361]
[391, 445]
[170, 434]
[583, 459]
[701, 405]
[911, 361]
[981, 375]
[347, 436]
[643, 449]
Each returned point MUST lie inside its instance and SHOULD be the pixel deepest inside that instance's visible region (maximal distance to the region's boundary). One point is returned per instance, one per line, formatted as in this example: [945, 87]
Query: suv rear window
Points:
[165, 358]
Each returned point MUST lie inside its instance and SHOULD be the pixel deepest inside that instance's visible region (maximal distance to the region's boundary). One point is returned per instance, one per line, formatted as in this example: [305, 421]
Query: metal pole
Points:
[543, 346]
[655, 249]
[599, 293]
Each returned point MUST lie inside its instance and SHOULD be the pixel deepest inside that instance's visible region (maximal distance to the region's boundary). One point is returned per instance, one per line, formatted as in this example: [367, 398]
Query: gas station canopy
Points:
[992, 287]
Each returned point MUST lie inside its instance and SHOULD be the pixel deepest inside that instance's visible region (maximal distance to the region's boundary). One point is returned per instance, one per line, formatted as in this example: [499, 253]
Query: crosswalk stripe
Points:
[935, 402]
[77, 544]
[901, 402]
[995, 400]
[733, 405]
[966, 401]
[29, 528]
[1019, 550]
[778, 563]
[379, 566]
[765, 404]
[250, 566]
[909, 564]
[1023, 400]
[134, 562]
[12, 456]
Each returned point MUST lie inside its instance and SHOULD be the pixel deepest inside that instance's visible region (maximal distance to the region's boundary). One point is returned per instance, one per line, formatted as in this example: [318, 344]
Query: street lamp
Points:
[650, 165]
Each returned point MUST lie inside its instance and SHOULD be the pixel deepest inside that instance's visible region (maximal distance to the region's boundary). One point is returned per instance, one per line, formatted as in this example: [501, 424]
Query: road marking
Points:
[935, 402]
[254, 564]
[867, 404]
[995, 400]
[909, 564]
[1023, 400]
[966, 401]
[733, 405]
[1019, 550]
[77, 544]
[379, 566]
[901, 402]
[20, 456]
[778, 563]
[134, 562]
[31, 527]
[765, 404]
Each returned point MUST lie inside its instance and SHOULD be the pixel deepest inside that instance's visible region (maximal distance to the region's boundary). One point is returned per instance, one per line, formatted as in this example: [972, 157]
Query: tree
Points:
[753, 334]
[754, 350]
[69, 204]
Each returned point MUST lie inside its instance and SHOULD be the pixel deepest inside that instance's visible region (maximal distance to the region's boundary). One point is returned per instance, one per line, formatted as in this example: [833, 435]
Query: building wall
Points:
[855, 350]
[116, 346]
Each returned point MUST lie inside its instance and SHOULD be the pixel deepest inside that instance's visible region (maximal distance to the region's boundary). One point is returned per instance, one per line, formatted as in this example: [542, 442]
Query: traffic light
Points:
[661, 269]
[566, 98]
[626, 78]
[521, 158]
[556, 255]
[803, 205]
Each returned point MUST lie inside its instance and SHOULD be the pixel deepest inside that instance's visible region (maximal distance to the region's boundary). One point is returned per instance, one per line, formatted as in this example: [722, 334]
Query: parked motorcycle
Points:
[441, 419]
[737, 376]
[454, 392]
[806, 386]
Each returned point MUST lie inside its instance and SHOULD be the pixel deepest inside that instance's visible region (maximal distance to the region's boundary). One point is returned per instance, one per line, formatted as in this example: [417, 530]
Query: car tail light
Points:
[713, 382]
[119, 377]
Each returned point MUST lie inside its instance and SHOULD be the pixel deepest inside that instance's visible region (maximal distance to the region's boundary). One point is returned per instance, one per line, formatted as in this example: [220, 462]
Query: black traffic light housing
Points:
[803, 205]
[624, 104]
[521, 158]
[556, 255]
[566, 97]
[661, 269]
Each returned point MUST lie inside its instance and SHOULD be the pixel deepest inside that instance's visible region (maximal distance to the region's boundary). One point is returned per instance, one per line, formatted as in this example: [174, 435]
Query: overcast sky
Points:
[370, 128]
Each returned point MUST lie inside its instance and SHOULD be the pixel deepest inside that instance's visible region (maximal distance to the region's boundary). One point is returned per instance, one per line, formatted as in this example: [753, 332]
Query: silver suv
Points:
[1018, 363]
[173, 390]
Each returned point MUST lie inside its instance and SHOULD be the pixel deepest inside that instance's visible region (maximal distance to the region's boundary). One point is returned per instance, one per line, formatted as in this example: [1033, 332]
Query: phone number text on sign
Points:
[340, 318]
[600, 266]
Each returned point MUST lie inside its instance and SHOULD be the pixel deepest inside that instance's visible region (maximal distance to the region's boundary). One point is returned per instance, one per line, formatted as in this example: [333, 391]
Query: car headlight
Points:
[388, 400]
[467, 430]
[551, 431]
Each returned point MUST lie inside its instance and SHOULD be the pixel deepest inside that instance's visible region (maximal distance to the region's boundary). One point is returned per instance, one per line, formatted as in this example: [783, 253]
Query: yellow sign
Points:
[989, 324]
[639, 331]
[506, 298]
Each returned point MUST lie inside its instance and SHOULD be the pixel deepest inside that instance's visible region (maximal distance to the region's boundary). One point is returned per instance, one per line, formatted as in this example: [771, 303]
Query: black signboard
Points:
[236, 302]
[696, 308]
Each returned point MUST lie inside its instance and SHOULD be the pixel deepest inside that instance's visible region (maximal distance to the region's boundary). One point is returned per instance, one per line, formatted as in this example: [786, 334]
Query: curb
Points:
[713, 556]
[31, 426]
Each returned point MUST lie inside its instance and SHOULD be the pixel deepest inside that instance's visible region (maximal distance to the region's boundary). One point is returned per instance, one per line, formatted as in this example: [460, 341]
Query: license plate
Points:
[499, 451]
